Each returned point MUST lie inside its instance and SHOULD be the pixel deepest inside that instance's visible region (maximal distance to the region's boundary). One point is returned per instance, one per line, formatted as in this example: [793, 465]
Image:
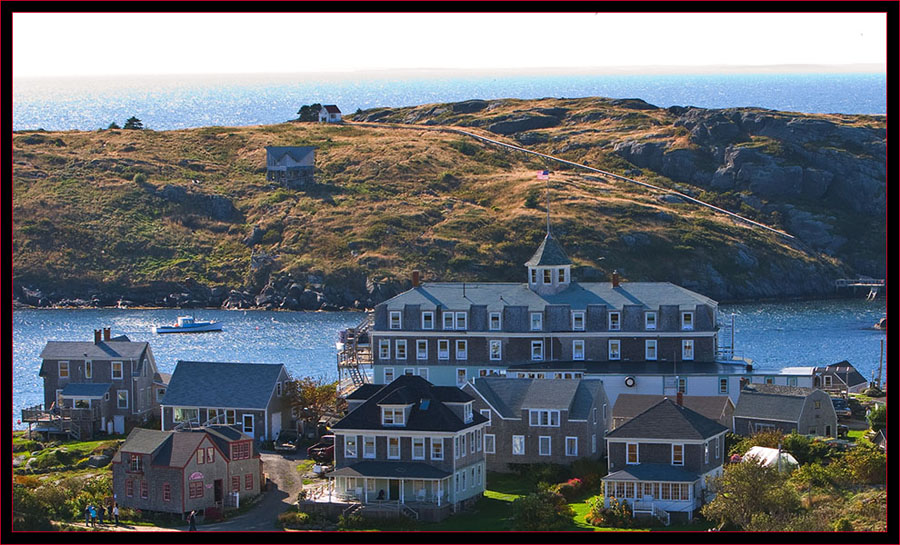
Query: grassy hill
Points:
[117, 211]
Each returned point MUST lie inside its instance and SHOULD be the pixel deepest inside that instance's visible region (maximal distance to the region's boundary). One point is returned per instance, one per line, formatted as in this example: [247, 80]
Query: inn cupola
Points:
[549, 269]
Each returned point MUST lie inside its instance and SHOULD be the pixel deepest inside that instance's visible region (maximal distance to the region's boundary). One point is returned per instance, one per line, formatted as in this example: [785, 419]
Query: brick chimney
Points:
[97, 334]
[679, 399]
[415, 279]
[615, 279]
[106, 333]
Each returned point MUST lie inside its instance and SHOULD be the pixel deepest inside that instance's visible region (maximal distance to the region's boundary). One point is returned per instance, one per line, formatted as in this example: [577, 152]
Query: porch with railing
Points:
[78, 422]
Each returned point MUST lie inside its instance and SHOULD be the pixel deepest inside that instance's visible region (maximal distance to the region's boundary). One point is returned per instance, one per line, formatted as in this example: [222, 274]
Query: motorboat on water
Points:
[187, 324]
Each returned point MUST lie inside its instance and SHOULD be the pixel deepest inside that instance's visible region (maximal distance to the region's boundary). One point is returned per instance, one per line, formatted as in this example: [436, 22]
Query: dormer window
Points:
[614, 323]
[396, 322]
[461, 321]
[495, 322]
[447, 318]
[537, 321]
[428, 320]
[687, 321]
[135, 462]
[578, 321]
[467, 412]
[393, 416]
[548, 276]
[650, 320]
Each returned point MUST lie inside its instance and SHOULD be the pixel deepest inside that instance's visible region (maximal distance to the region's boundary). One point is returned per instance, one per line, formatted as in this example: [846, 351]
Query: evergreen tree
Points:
[133, 123]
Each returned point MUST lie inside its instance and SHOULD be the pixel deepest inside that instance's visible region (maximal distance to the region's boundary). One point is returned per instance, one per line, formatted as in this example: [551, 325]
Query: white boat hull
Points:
[195, 328]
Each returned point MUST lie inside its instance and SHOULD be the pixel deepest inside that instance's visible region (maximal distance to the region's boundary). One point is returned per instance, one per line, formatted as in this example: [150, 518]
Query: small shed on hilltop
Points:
[329, 114]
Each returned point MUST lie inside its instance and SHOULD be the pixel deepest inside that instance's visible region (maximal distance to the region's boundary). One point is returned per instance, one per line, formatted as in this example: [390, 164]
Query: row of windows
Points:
[633, 455]
[562, 275]
[117, 370]
[545, 445]
[195, 488]
[121, 400]
[227, 416]
[457, 321]
[475, 478]
[495, 349]
[637, 491]
[461, 375]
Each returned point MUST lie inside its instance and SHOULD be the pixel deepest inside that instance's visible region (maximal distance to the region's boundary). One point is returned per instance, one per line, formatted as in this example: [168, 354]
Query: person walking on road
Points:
[192, 521]
[87, 515]
[93, 511]
[115, 512]
[100, 510]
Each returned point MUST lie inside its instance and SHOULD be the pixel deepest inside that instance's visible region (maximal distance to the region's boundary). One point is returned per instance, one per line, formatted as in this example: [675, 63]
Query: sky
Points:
[91, 44]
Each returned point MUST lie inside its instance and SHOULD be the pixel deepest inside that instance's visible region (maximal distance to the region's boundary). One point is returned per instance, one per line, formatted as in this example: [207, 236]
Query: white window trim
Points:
[609, 321]
[487, 414]
[416, 440]
[578, 313]
[684, 351]
[431, 314]
[399, 316]
[637, 454]
[447, 325]
[673, 453]
[493, 443]
[244, 424]
[618, 354]
[464, 375]
[68, 368]
[540, 356]
[647, 345]
[726, 385]
[575, 355]
[499, 316]
[499, 345]
[647, 324]
[399, 452]
[540, 321]
[384, 349]
[684, 325]
[388, 371]
[549, 441]
[445, 354]
[112, 370]
[394, 421]
[574, 452]
[365, 455]
[461, 321]
[463, 354]
[534, 279]
[118, 404]
[521, 439]
[397, 346]
[437, 441]
[534, 418]
[350, 439]
[420, 355]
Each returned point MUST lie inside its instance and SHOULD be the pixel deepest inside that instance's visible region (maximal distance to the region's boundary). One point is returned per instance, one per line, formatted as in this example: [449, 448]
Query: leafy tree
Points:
[866, 464]
[311, 398]
[310, 112]
[747, 489]
[815, 477]
[769, 439]
[878, 418]
[114, 125]
[542, 510]
[133, 123]
[807, 450]
[28, 512]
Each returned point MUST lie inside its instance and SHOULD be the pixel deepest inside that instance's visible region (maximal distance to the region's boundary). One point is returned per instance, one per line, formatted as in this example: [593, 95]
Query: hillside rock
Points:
[523, 123]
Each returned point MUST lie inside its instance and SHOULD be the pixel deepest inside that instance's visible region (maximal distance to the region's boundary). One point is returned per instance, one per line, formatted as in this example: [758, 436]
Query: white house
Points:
[329, 114]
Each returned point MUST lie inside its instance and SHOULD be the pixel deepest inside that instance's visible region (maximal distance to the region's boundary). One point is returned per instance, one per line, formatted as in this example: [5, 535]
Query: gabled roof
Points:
[175, 448]
[771, 401]
[549, 253]
[221, 384]
[511, 397]
[497, 295]
[297, 153]
[143, 441]
[86, 389]
[844, 372]
[365, 391]
[104, 350]
[667, 420]
[653, 472]
[331, 108]
[631, 405]
[411, 390]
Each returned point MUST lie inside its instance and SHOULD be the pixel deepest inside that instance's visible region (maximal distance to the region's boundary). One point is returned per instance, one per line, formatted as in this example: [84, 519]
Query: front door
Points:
[276, 425]
[394, 486]
[119, 423]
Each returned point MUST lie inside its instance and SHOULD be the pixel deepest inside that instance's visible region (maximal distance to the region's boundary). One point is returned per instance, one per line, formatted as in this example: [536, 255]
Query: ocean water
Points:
[169, 102]
[774, 335]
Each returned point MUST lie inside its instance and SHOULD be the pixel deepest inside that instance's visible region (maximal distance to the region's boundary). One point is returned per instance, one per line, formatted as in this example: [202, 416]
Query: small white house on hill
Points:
[329, 114]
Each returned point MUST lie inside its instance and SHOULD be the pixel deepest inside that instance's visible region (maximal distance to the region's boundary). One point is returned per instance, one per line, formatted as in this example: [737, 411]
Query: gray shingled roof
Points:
[653, 472]
[770, 401]
[221, 384]
[496, 295]
[549, 253]
[144, 441]
[845, 372]
[631, 405]
[411, 390]
[395, 470]
[510, 396]
[175, 448]
[85, 389]
[104, 350]
[666, 420]
[297, 153]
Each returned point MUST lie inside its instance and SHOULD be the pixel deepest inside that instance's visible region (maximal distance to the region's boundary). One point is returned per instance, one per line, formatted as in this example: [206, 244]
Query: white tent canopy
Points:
[769, 457]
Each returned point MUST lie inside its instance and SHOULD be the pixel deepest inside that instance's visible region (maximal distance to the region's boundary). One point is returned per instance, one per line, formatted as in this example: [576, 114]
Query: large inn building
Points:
[638, 337]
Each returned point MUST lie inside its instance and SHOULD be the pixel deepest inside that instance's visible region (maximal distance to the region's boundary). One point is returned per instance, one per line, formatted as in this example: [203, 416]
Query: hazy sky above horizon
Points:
[97, 44]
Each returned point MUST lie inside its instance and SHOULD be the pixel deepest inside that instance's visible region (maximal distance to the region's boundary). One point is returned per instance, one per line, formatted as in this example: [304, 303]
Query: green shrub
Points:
[878, 418]
[617, 515]
[351, 522]
[293, 519]
[842, 525]
[26, 445]
[139, 178]
[866, 464]
[570, 489]
[536, 473]
[543, 510]
[589, 471]
[28, 512]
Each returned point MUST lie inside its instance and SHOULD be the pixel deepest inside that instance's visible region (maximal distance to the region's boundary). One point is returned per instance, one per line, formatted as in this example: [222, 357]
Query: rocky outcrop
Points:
[216, 207]
[523, 123]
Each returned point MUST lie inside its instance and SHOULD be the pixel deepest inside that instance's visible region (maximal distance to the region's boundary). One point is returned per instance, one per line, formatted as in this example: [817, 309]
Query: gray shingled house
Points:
[807, 411]
[252, 397]
[540, 421]
[660, 460]
[105, 386]
[201, 469]
[840, 377]
[718, 408]
[411, 446]
[290, 166]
